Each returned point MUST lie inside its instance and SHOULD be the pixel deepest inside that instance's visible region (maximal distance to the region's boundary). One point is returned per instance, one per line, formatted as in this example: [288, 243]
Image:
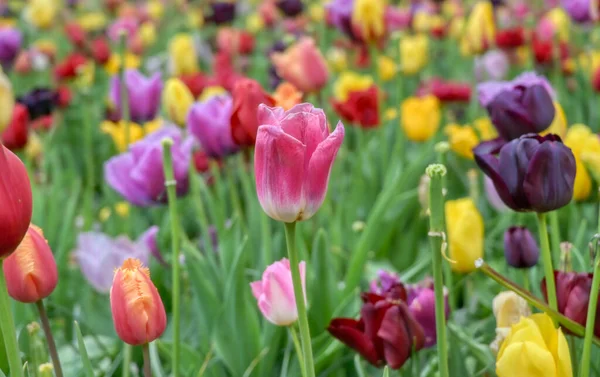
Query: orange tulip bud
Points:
[137, 309]
[30, 271]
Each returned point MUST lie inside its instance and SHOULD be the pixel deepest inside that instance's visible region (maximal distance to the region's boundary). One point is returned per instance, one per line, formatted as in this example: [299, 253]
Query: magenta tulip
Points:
[293, 159]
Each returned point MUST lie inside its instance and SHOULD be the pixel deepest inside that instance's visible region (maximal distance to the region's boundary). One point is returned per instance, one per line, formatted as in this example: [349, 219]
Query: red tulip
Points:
[100, 50]
[195, 82]
[510, 38]
[234, 41]
[69, 67]
[15, 201]
[31, 273]
[544, 50]
[247, 96]
[446, 91]
[225, 74]
[76, 34]
[15, 136]
[64, 96]
[361, 108]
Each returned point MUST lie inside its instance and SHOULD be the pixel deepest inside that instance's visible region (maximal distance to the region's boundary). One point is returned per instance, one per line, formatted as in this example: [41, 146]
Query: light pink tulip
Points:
[275, 293]
[293, 159]
[303, 65]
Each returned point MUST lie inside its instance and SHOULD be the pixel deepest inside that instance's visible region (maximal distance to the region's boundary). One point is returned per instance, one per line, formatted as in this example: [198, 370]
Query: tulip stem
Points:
[298, 347]
[547, 259]
[591, 318]
[147, 364]
[7, 325]
[49, 338]
[437, 240]
[126, 360]
[170, 184]
[554, 232]
[123, 87]
[290, 238]
[89, 164]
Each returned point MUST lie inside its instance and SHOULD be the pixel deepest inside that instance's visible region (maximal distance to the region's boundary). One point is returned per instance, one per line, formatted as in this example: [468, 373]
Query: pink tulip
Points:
[303, 65]
[293, 159]
[275, 293]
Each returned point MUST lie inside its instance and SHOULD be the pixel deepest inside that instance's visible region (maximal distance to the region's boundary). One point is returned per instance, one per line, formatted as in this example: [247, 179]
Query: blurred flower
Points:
[387, 68]
[118, 131]
[211, 91]
[209, 122]
[177, 100]
[396, 19]
[155, 9]
[41, 13]
[421, 303]
[221, 12]
[582, 142]
[420, 117]
[10, 45]
[247, 96]
[40, 102]
[92, 21]
[480, 29]
[536, 346]
[361, 107]
[303, 65]
[349, 82]
[138, 174]
[147, 34]
[520, 106]
[182, 55]
[7, 101]
[510, 38]
[340, 14]
[446, 90]
[462, 139]
[316, 12]
[337, 59]
[531, 173]
[137, 309]
[492, 195]
[368, 17]
[99, 255]
[493, 65]
[234, 41]
[275, 293]
[15, 200]
[124, 25]
[70, 67]
[113, 64]
[508, 309]
[414, 53]
[520, 248]
[559, 124]
[31, 273]
[255, 23]
[143, 95]
[554, 24]
[293, 159]
[385, 334]
[77, 36]
[465, 229]
[15, 136]
[291, 8]
[287, 96]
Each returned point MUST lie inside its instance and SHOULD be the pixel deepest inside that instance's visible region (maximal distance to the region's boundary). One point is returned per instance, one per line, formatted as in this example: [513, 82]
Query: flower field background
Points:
[299, 188]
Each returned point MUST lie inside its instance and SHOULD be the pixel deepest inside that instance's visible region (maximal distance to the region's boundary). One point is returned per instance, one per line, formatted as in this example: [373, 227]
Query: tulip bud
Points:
[420, 117]
[465, 233]
[137, 309]
[15, 201]
[31, 273]
[303, 65]
[508, 309]
[531, 173]
[275, 293]
[177, 100]
[520, 248]
[15, 136]
[7, 101]
[247, 96]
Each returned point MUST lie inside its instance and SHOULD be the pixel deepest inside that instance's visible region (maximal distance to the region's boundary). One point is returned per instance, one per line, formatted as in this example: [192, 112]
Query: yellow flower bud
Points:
[7, 101]
[177, 100]
[420, 117]
[210, 92]
[462, 139]
[41, 13]
[414, 53]
[147, 34]
[349, 82]
[183, 55]
[583, 142]
[480, 29]
[465, 229]
[559, 124]
[387, 68]
[92, 21]
[113, 64]
[368, 16]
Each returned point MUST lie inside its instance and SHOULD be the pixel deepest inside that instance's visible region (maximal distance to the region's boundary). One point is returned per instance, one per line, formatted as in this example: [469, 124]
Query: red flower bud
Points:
[15, 136]
[100, 50]
[76, 34]
[247, 96]
[69, 67]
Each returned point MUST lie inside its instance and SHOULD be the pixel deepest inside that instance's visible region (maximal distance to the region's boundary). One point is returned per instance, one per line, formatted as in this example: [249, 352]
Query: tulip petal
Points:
[400, 332]
[279, 175]
[348, 331]
[563, 356]
[485, 158]
[525, 359]
[513, 161]
[536, 100]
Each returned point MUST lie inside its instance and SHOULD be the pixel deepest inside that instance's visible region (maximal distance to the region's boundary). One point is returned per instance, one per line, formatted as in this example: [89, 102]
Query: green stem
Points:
[170, 184]
[125, 116]
[89, 165]
[554, 232]
[147, 364]
[547, 260]
[49, 338]
[290, 238]
[9, 332]
[591, 320]
[526, 279]
[436, 240]
[298, 348]
[126, 360]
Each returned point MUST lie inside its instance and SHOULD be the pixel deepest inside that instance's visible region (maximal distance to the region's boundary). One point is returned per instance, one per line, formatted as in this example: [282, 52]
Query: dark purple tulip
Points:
[143, 94]
[520, 248]
[138, 173]
[39, 102]
[290, 8]
[579, 10]
[10, 44]
[222, 12]
[518, 107]
[340, 14]
[421, 303]
[531, 173]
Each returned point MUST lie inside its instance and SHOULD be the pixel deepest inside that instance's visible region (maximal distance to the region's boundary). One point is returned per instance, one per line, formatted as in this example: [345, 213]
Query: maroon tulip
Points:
[385, 334]
[520, 248]
[247, 96]
[15, 201]
[15, 136]
[531, 173]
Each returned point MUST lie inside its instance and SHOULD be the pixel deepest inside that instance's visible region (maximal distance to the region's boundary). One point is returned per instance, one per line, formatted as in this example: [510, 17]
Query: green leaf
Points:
[386, 372]
[87, 365]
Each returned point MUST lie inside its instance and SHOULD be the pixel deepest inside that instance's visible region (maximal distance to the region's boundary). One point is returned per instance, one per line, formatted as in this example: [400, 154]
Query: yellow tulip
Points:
[480, 29]
[92, 21]
[387, 68]
[425, 22]
[462, 139]
[183, 55]
[420, 117]
[561, 22]
[508, 309]
[254, 23]
[534, 348]
[456, 28]
[147, 34]
[414, 53]
[485, 129]
[34, 148]
[368, 16]
[349, 82]
[122, 209]
[211, 91]
[155, 9]
[46, 46]
[559, 124]
[337, 59]
[7, 101]
[316, 12]
[464, 224]
[177, 100]
[195, 19]
[584, 143]
[41, 13]
[113, 64]
[117, 132]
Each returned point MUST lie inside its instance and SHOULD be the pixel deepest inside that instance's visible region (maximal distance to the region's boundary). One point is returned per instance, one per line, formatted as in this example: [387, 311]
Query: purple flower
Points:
[138, 173]
[99, 255]
[290, 8]
[143, 93]
[222, 12]
[531, 173]
[384, 282]
[397, 18]
[209, 122]
[579, 10]
[340, 15]
[421, 303]
[10, 44]
[520, 248]
[492, 195]
[523, 105]
[492, 65]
